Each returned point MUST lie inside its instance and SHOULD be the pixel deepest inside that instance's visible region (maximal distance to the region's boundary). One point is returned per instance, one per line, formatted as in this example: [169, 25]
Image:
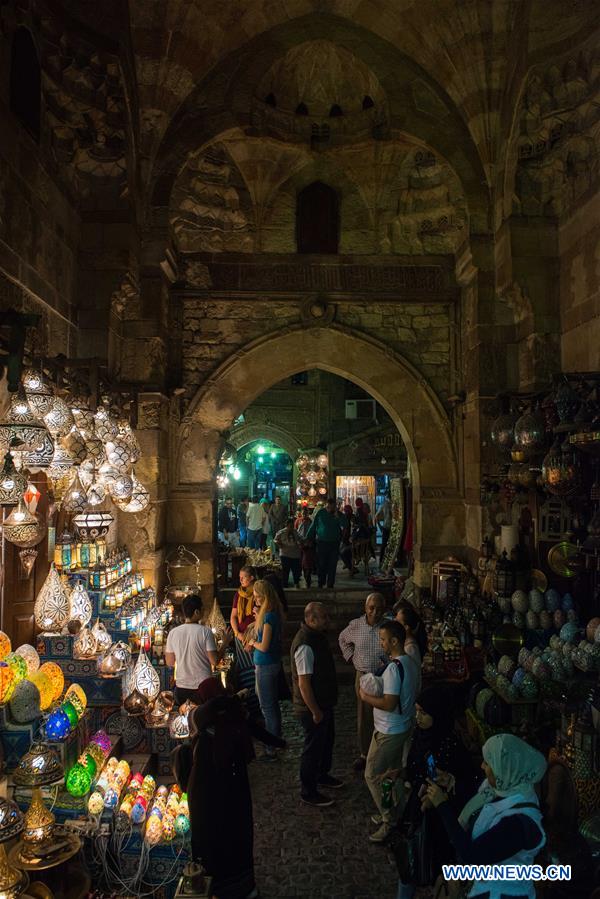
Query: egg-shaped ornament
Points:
[121, 488]
[518, 677]
[57, 726]
[139, 499]
[573, 616]
[529, 687]
[536, 600]
[51, 609]
[558, 618]
[5, 645]
[552, 600]
[78, 781]
[591, 628]
[146, 679]
[518, 619]
[18, 665]
[182, 825]
[45, 689]
[55, 676]
[76, 695]
[96, 804]
[101, 636]
[32, 659]
[520, 601]
[532, 621]
[569, 632]
[567, 602]
[24, 704]
[7, 682]
[545, 620]
[80, 605]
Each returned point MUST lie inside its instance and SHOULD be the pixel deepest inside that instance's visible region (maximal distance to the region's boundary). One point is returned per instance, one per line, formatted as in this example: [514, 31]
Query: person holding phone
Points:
[437, 755]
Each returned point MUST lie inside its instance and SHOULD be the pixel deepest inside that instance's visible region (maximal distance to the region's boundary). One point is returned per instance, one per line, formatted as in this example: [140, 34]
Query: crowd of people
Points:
[429, 802]
[314, 541]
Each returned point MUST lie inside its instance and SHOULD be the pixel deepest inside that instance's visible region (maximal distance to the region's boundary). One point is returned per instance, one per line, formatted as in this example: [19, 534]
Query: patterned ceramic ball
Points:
[573, 616]
[569, 632]
[536, 600]
[506, 666]
[552, 600]
[520, 601]
[25, 702]
[5, 646]
[524, 654]
[491, 672]
[505, 605]
[532, 620]
[32, 659]
[518, 619]
[96, 804]
[558, 618]
[529, 687]
[502, 684]
[54, 674]
[567, 602]
[557, 670]
[540, 669]
[545, 620]
[555, 642]
[518, 677]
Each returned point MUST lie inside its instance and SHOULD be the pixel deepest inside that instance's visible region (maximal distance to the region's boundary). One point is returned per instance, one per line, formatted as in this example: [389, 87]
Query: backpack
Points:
[400, 668]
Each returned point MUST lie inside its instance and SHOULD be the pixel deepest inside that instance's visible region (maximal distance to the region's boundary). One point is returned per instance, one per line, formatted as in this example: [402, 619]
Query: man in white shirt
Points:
[192, 651]
[393, 716]
[360, 645]
[255, 519]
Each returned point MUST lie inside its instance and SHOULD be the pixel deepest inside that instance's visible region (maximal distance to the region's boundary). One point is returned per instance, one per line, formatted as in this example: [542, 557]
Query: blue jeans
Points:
[253, 539]
[243, 534]
[267, 689]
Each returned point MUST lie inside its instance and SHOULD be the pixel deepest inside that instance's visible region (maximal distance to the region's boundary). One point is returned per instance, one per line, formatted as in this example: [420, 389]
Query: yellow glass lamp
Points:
[45, 687]
[5, 645]
[7, 682]
[56, 677]
[76, 696]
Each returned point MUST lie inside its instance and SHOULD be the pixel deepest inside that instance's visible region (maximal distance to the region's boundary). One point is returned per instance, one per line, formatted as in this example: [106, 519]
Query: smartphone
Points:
[431, 769]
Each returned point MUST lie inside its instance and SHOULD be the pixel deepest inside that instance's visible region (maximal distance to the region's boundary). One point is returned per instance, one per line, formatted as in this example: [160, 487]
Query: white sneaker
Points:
[376, 819]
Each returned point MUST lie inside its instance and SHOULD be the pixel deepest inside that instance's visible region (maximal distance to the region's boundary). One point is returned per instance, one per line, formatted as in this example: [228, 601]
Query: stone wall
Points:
[213, 330]
[579, 245]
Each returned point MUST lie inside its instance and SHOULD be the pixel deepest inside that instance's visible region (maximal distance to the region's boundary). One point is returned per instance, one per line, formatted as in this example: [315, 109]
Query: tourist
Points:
[435, 749]
[307, 556]
[243, 616]
[502, 824]
[415, 644]
[227, 521]
[267, 655]
[360, 645]
[290, 552]
[326, 530]
[315, 697]
[279, 514]
[393, 715]
[255, 518]
[242, 512]
[383, 517]
[192, 651]
[267, 531]
[219, 798]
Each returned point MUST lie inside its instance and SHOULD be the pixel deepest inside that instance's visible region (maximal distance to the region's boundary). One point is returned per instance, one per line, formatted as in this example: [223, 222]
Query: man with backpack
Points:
[393, 717]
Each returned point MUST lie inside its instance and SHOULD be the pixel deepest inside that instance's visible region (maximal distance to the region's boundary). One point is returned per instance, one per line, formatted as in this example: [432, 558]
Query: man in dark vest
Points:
[315, 696]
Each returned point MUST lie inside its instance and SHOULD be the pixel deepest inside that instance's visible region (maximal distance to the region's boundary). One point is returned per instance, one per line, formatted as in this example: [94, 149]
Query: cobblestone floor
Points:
[320, 853]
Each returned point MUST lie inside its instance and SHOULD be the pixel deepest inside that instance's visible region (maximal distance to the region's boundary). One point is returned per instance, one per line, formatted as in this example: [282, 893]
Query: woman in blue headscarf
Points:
[502, 824]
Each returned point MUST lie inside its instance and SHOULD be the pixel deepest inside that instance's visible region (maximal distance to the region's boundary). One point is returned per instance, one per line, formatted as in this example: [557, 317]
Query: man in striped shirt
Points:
[360, 645]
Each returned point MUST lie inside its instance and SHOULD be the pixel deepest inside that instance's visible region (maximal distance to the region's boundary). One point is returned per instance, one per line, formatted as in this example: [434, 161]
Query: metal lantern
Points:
[84, 644]
[146, 679]
[530, 433]
[75, 499]
[561, 470]
[90, 525]
[38, 391]
[80, 605]
[114, 661]
[118, 454]
[504, 576]
[12, 483]
[51, 609]
[62, 463]
[101, 636]
[22, 528]
[121, 488]
[105, 425]
[39, 458]
[139, 500]
[59, 420]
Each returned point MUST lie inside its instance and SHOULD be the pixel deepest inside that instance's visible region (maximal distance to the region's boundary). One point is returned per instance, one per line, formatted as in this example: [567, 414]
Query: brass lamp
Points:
[12, 881]
[39, 767]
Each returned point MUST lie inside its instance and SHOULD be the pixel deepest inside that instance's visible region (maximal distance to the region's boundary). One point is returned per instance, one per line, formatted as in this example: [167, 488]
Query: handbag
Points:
[412, 854]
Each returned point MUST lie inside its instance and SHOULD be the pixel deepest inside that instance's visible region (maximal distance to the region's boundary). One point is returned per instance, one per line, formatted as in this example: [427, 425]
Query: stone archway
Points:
[439, 511]
[246, 433]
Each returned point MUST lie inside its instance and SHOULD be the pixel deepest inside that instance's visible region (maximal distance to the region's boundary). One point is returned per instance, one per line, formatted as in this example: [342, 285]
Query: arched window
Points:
[25, 81]
[317, 219]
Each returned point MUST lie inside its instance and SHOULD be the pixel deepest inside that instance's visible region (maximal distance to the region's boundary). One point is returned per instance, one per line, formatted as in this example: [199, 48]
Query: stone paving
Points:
[320, 853]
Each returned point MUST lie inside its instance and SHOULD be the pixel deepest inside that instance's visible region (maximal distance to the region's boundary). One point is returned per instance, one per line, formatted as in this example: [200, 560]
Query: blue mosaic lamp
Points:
[58, 726]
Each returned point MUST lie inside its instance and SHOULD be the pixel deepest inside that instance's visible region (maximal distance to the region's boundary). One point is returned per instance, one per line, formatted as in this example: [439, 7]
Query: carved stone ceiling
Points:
[475, 50]
[413, 199]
